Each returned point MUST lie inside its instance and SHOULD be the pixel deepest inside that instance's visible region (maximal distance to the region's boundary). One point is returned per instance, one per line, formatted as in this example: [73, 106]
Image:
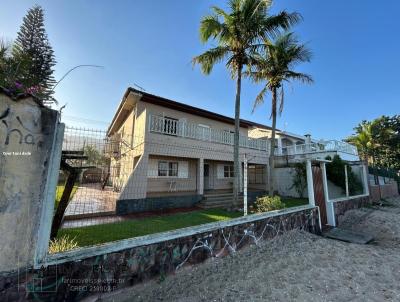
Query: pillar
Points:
[200, 176]
[279, 145]
[310, 183]
[330, 211]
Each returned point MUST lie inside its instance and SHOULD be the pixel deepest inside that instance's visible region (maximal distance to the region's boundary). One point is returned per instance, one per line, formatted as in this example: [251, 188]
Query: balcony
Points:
[174, 127]
[324, 146]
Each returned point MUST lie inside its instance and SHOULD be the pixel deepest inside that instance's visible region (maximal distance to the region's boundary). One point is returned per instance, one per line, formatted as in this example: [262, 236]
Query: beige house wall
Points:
[149, 145]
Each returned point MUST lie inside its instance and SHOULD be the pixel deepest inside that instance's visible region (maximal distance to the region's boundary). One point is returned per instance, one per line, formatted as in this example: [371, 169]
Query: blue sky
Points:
[150, 43]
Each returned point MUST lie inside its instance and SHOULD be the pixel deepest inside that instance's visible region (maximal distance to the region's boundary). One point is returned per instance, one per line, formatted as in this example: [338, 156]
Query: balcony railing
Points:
[325, 146]
[178, 128]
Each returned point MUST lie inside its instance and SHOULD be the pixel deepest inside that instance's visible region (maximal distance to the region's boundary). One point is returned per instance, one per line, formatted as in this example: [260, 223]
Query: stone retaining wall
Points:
[341, 207]
[73, 280]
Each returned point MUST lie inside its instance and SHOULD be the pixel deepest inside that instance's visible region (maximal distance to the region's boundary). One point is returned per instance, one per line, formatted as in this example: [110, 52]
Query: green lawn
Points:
[59, 192]
[294, 202]
[96, 234]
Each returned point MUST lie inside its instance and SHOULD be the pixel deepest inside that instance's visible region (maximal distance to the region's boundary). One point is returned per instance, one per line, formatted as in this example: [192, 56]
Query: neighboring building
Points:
[169, 154]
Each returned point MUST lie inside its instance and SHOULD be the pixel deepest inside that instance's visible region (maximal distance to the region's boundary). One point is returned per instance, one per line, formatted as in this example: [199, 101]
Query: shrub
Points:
[267, 203]
[299, 179]
[62, 244]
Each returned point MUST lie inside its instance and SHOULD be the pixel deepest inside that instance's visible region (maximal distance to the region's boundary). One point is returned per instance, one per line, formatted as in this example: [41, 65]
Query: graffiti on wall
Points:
[16, 129]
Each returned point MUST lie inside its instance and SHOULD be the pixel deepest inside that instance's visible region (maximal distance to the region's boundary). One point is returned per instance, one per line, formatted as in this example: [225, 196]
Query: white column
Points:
[365, 178]
[200, 176]
[330, 211]
[279, 145]
[240, 177]
[245, 186]
[310, 183]
[308, 143]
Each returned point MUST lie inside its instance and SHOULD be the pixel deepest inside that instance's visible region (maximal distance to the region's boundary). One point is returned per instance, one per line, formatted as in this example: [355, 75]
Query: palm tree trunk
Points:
[236, 183]
[272, 150]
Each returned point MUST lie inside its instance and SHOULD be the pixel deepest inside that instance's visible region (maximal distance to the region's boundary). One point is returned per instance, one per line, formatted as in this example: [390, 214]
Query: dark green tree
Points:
[32, 43]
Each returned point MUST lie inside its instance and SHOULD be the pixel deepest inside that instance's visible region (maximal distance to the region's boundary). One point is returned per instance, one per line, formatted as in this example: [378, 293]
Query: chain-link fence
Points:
[125, 186]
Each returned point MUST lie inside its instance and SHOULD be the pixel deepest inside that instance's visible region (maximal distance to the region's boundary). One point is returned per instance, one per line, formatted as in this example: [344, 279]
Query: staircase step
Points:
[218, 195]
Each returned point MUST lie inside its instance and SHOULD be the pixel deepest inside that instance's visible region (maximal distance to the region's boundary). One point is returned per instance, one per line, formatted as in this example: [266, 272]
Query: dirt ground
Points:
[297, 266]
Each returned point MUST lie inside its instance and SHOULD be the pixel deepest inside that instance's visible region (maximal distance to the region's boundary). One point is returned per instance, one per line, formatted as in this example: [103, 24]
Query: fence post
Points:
[49, 198]
[346, 177]
[310, 183]
[366, 181]
[245, 186]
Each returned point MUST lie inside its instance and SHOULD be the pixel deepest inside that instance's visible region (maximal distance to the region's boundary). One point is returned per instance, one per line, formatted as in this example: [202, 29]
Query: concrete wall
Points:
[283, 179]
[26, 141]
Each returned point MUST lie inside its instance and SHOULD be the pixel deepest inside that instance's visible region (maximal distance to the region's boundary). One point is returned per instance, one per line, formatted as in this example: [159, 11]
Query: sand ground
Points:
[297, 266]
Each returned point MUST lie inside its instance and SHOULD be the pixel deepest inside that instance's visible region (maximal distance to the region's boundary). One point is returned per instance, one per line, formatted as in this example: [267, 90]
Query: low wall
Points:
[164, 253]
[383, 191]
[341, 207]
[127, 206]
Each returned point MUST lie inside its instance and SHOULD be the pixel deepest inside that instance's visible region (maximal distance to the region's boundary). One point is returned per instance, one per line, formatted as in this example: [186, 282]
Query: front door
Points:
[207, 177]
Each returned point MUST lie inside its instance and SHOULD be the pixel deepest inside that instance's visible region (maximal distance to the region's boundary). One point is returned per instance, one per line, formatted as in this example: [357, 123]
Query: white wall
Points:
[284, 183]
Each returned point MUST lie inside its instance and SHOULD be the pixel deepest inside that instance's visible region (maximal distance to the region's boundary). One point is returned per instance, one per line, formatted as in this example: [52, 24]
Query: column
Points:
[200, 176]
[365, 179]
[279, 145]
[330, 211]
[310, 183]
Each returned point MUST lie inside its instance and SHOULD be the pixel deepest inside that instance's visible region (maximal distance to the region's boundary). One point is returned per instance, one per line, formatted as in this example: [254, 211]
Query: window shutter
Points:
[220, 171]
[183, 169]
[152, 171]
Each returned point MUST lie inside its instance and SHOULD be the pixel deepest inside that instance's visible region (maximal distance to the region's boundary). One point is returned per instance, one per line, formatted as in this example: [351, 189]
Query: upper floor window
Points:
[204, 132]
[170, 125]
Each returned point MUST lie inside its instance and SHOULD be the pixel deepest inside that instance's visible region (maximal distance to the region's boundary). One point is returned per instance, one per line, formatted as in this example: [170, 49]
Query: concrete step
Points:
[213, 195]
[218, 203]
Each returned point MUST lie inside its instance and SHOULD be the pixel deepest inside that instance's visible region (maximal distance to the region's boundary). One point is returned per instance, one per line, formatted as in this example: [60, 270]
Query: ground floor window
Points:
[228, 171]
[166, 168]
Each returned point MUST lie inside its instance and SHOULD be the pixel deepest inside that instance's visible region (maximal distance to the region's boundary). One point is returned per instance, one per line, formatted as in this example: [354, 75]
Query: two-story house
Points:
[168, 154]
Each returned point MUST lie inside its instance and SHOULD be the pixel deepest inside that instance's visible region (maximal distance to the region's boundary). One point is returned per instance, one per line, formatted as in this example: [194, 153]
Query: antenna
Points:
[140, 88]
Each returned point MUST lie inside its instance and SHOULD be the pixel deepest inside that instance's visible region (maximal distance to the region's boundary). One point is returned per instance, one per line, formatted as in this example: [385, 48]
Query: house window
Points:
[170, 125]
[228, 171]
[204, 132]
[167, 169]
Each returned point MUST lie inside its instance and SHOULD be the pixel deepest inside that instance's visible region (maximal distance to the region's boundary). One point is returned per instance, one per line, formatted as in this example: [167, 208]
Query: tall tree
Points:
[274, 67]
[363, 140]
[32, 42]
[238, 33]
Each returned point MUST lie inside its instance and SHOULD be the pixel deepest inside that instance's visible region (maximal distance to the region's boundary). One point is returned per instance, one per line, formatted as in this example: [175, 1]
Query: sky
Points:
[355, 61]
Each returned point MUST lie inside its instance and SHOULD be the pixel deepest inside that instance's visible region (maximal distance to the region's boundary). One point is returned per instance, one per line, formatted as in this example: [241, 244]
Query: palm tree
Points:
[363, 140]
[274, 67]
[238, 34]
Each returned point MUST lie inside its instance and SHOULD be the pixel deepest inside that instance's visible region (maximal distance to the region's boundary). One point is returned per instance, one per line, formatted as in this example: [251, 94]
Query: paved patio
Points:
[90, 199]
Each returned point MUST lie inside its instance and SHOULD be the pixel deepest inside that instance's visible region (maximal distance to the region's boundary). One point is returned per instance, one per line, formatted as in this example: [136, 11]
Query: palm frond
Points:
[208, 59]
[260, 98]
[210, 27]
[301, 77]
[273, 25]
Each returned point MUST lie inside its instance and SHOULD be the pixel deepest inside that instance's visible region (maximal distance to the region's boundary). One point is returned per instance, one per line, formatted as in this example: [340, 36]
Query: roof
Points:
[161, 101]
